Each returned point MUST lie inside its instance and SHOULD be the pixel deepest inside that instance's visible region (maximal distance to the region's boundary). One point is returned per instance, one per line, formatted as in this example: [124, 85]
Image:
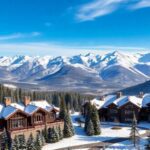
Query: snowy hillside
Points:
[95, 72]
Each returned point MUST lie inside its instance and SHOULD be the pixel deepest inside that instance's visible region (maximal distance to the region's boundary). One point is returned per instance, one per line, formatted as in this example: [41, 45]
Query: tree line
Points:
[73, 100]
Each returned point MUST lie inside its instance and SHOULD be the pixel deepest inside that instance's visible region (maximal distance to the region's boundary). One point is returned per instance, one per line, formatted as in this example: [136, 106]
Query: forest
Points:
[73, 100]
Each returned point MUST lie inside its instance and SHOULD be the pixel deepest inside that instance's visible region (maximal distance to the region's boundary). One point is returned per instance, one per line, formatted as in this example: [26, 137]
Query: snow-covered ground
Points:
[80, 137]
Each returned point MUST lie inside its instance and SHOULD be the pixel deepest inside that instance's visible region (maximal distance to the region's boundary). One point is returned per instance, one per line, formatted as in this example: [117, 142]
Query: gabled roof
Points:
[108, 100]
[6, 111]
[146, 100]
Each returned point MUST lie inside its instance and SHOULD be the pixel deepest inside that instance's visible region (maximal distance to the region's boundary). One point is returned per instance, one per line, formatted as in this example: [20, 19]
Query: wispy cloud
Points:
[98, 8]
[58, 49]
[141, 4]
[19, 35]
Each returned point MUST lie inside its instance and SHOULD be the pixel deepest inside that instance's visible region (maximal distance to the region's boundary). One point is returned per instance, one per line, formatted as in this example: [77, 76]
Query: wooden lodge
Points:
[119, 108]
[27, 117]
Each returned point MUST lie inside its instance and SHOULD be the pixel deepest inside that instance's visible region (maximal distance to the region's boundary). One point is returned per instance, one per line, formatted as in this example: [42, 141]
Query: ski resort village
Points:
[106, 122]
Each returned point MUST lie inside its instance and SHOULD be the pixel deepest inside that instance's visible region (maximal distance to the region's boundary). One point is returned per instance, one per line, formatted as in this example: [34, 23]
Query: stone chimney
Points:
[119, 94]
[27, 100]
[7, 101]
[141, 94]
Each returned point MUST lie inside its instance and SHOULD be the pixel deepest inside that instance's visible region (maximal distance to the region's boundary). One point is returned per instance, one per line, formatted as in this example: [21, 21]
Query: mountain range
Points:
[88, 73]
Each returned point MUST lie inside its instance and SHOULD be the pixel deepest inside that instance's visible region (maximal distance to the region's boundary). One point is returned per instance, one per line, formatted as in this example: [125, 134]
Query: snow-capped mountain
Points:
[81, 72]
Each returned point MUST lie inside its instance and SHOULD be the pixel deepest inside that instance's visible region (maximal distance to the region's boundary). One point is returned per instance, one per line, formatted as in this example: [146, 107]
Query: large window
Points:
[17, 123]
[38, 118]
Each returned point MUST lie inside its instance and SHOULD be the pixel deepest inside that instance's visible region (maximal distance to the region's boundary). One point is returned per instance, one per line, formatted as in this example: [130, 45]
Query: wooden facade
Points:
[20, 123]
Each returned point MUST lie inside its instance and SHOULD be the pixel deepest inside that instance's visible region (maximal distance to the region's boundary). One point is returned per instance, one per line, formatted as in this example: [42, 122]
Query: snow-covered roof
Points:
[33, 106]
[7, 111]
[146, 100]
[112, 99]
[97, 103]
[108, 100]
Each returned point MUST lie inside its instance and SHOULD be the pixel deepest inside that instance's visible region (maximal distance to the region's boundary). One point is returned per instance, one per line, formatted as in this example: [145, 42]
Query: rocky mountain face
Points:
[84, 73]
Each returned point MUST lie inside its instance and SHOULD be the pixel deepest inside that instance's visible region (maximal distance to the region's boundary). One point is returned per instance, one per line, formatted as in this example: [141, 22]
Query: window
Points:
[114, 111]
[38, 118]
[17, 123]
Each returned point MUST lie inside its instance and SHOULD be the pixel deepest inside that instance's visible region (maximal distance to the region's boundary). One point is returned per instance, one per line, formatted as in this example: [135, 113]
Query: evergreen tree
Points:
[60, 133]
[87, 115]
[90, 128]
[31, 143]
[38, 142]
[68, 126]
[45, 134]
[62, 109]
[6, 140]
[22, 143]
[53, 135]
[15, 143]
[95, 120]
[134, 135]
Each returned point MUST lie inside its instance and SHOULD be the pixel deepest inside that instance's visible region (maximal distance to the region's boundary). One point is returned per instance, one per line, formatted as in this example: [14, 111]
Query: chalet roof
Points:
[108, 100]
[133, 99]
[97, 103]
[6, 111]
[146, 100]
[112, 99]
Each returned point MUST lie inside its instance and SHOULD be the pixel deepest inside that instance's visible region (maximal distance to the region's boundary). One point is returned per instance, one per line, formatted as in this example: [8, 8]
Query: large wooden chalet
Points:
[119, 108]
[27, 117]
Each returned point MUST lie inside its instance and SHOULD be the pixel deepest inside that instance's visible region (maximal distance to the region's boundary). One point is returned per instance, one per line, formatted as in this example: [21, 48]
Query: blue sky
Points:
[66, 27]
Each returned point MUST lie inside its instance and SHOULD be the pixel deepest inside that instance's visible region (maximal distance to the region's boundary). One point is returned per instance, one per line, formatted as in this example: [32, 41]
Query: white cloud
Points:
[18, 35]
[98, 8]
[141, 4]
[56, 49]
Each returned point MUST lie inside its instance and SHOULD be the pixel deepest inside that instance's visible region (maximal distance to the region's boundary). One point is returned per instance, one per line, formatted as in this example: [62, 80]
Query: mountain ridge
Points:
[90, 72]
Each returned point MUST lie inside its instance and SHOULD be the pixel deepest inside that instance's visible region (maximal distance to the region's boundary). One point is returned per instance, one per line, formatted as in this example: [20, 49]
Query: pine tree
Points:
[62, 109]
[90, 128]
[15, 143]
[6, 139]
[60, 133]
[134, 135]
[95, 120]
[68, 126]
[38, 142]
[53, 135]
[22, 143]
[88, 108]
[31, 143]
[45, 134]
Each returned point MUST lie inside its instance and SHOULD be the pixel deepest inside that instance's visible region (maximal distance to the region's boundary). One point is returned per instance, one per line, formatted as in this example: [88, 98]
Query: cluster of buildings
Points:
[120, 108]
[28, 117]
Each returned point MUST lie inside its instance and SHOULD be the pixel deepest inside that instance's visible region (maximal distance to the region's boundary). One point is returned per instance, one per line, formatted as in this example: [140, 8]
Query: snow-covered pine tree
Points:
[15, 143]
[88, 115]
[60, 133]
[45, 134]
[22, 143]
[31, 143]
[42, 139]
[90, 128]
[6, 139]
[38, 142]
[134, 135]
[54, 137]
[95, 120]
[68, 126]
